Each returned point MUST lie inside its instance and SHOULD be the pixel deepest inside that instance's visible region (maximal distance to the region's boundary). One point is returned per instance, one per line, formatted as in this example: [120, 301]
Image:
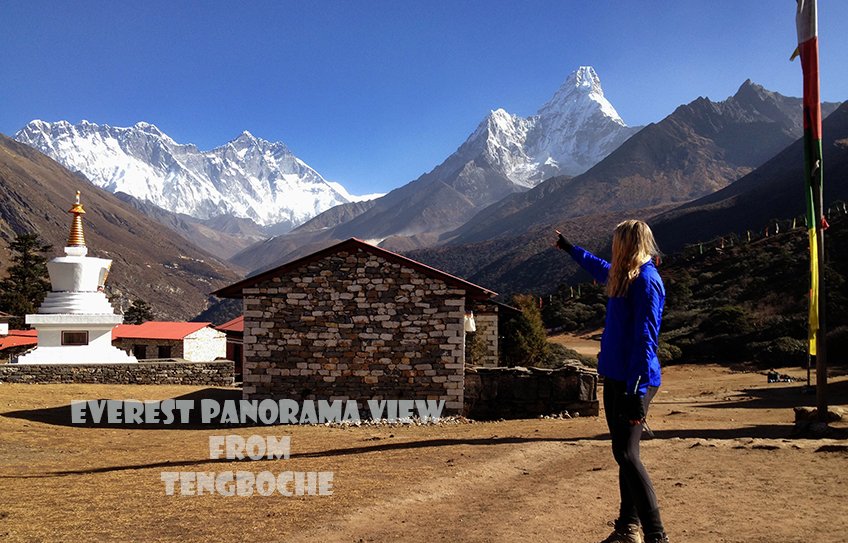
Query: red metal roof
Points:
[353, 244]
[157, 330]
[235, 325]
[19, 338]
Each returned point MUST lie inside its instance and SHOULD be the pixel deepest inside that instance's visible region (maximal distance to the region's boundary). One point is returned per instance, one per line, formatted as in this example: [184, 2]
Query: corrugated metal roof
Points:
[235, 325]
[19, 338]
[157, 330]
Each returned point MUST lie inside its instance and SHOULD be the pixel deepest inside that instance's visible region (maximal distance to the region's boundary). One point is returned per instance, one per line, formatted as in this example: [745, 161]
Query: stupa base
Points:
[76, 355]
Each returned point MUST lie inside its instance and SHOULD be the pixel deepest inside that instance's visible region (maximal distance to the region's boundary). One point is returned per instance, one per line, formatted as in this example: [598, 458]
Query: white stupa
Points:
[75, 321]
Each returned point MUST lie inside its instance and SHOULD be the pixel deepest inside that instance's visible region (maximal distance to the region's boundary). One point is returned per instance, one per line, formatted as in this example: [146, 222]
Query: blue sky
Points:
[375, 93]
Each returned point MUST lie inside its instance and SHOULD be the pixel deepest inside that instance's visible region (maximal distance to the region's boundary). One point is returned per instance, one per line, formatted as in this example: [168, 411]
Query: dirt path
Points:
[588, 343]
[567, 491]
[515, 487]
[724, 463]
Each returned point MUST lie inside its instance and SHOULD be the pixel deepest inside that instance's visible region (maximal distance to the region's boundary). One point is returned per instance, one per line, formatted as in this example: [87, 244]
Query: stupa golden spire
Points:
[76, 237]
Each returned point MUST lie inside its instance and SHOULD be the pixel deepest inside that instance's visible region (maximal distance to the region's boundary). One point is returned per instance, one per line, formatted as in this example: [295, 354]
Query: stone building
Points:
[192, 341]
[354, 321]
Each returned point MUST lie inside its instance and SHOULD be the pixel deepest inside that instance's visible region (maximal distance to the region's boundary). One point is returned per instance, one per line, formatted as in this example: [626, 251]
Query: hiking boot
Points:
[627, 534]
[662, 538]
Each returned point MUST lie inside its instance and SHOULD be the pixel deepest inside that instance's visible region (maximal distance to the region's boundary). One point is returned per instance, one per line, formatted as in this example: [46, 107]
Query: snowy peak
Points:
[581, 91]
[247, 140]
[142, 126]
[569, 134]
[584, 80]
[503, 129]
[587, 80]
[248, 177]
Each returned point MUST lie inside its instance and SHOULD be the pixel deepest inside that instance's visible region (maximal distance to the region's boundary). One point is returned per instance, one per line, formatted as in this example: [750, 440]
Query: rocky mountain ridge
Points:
[247, 177]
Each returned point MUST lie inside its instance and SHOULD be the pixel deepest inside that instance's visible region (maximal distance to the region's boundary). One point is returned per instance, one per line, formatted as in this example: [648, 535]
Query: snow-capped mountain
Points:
[247, 177]
[506, 154]
[570, 133]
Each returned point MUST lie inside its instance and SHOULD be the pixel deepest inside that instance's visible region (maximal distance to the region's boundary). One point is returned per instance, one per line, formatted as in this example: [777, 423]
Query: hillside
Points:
[774, 190]
[527, 262]
[220, 236]
[735, 301]
[150, 262]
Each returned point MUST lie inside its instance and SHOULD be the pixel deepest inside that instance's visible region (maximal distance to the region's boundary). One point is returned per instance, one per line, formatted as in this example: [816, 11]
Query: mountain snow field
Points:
[247, 177]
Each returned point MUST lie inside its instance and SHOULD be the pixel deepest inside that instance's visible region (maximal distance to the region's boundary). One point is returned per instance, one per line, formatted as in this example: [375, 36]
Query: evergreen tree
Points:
[138, 313]
[27, 281]
[525, 338]
[475, 349]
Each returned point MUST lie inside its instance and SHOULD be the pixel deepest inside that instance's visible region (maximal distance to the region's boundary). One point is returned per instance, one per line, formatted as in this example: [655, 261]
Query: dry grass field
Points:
[724, 462]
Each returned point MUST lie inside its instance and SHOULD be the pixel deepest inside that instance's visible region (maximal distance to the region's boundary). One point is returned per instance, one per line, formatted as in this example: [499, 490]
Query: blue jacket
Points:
[631, 333]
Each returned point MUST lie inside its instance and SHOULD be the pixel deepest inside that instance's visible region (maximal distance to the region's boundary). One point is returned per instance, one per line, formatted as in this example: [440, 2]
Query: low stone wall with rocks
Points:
[147, 349]
[218, 373]
[517, 393]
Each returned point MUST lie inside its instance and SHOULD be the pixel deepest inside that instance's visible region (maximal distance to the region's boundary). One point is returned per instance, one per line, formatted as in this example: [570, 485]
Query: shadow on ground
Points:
[783, 397]
[61, 415]
[760, 431]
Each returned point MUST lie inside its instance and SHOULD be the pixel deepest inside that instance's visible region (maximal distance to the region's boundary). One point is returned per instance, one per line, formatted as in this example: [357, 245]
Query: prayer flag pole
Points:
[806, 19]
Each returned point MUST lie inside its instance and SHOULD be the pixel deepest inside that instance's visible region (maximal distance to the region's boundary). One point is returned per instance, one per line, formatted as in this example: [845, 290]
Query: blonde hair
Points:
[633, 244]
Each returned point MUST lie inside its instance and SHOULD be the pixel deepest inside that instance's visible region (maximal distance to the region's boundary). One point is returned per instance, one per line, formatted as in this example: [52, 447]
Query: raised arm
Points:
[598, 268]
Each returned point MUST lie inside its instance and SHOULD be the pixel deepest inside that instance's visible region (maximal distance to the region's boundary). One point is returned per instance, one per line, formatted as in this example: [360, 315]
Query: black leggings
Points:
[638, 499]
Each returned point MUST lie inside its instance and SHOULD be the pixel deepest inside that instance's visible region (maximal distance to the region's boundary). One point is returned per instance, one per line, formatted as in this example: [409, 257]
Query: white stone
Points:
[51, 351]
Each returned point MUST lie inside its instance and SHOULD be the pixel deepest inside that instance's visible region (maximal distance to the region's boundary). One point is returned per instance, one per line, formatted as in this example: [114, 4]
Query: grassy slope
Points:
[745, 302]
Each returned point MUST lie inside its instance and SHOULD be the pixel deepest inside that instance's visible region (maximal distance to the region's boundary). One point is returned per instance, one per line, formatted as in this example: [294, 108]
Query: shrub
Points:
[557, 355]
[668, 353]
[678, 290]
[728, 319]
[475, 349]
[780, 352]
[524, 335]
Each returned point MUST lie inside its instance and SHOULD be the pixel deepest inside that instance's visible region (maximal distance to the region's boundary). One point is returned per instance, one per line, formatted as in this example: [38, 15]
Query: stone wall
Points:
[354, 325]
[218, 373]
[151, 347]
[514, 393]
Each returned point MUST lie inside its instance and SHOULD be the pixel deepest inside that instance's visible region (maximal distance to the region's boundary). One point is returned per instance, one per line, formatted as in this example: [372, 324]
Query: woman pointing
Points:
[628, 361]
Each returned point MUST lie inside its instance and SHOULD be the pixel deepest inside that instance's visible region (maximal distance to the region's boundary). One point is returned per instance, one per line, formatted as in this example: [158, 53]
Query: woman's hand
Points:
[633, 409]
[562, 243]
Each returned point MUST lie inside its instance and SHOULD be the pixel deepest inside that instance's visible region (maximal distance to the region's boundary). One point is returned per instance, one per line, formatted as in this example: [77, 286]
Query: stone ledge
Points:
[512, 393]
[175, 372]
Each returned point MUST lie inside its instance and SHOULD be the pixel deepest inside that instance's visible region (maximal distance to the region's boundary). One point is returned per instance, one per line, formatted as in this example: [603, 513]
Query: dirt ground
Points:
[723, 460]
[587, 343]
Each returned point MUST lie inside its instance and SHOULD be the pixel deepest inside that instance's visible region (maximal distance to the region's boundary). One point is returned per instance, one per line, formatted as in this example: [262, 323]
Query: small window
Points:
[74, 338]
[164, 351]
[140, 351]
